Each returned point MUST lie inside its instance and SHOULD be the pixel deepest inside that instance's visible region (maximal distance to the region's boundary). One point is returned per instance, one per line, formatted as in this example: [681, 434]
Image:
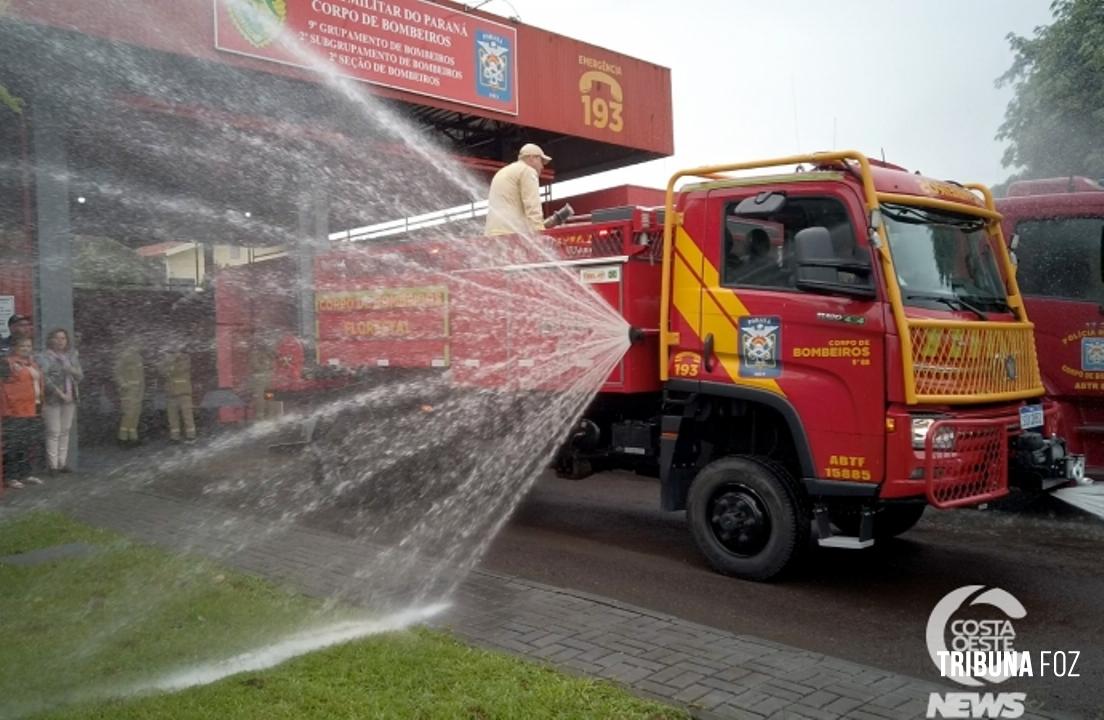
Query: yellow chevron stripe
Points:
[688, 297]
[685, 293]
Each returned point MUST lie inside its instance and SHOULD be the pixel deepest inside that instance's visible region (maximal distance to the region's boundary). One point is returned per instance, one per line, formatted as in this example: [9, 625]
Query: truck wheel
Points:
[746, 517]
[572, 467]
[889, 520]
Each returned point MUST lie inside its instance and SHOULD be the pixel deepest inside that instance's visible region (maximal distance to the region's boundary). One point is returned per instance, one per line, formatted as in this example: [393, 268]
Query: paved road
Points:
[604, 535]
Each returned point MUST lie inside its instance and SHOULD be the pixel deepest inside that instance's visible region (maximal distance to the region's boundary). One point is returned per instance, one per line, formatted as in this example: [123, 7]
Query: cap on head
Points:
[18, 319]
[533, 150]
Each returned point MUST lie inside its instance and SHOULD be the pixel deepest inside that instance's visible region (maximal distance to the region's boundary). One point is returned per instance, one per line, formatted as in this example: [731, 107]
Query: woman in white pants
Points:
[62, 371]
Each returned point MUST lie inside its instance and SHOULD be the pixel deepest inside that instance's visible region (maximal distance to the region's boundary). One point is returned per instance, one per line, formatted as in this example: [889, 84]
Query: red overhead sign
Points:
[410, 45]
[571, 88]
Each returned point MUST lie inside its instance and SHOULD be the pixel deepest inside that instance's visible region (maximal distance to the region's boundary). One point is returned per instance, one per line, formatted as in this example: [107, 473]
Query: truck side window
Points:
[758, 251]
[1061, 258]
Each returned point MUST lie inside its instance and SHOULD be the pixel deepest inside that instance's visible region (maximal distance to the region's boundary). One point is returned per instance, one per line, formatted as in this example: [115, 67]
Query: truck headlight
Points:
[921, 426]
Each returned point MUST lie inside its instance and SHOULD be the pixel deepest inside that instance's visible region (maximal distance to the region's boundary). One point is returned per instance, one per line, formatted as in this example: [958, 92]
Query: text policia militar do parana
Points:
[407, 22]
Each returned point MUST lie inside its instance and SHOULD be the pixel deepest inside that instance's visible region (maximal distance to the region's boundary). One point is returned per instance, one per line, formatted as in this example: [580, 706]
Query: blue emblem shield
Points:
[494, 58]
[760, 346]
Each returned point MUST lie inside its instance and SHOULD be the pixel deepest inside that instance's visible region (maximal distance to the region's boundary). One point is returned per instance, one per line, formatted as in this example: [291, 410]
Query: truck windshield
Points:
[944, 260]
[1061, 258]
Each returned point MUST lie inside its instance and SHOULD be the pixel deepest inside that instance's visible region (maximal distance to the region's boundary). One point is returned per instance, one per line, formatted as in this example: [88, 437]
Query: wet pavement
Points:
[591, 577]
[606, 535]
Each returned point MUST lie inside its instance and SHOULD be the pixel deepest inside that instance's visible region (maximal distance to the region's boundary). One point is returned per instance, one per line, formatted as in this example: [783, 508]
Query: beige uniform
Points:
[177, 369]
[130, 381]
[513, 204]
[261, 367]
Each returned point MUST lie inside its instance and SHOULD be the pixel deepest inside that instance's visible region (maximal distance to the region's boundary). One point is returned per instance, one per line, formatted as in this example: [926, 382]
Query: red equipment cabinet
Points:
[618, 254]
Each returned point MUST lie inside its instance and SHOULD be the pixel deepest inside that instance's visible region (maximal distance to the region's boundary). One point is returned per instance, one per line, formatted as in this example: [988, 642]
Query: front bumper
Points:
[971, 470]
[987, 455]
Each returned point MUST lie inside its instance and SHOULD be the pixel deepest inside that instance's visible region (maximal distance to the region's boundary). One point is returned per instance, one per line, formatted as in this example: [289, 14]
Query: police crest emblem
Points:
[760, 342]
[493, 58]
[258, 21]
[1092, 354]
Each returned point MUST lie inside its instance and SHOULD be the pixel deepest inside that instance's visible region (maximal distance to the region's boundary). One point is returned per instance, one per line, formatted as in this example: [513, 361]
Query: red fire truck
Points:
[1056, 230]
[834, 347]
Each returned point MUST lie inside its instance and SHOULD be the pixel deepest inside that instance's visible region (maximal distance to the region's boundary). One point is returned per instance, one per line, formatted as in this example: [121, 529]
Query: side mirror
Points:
[820, 270]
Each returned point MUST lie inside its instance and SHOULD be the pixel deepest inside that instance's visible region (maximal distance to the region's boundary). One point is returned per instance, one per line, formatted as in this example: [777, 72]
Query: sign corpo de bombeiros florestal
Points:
[410, 45]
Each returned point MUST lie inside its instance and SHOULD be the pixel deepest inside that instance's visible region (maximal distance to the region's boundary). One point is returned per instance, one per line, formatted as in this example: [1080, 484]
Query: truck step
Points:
[847, 542]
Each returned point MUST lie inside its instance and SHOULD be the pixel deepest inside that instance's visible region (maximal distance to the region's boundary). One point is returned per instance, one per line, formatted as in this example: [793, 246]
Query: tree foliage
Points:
[1055, 121]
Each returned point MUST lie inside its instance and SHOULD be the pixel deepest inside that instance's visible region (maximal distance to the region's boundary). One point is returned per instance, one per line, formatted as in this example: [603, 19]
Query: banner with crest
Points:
[409, 45]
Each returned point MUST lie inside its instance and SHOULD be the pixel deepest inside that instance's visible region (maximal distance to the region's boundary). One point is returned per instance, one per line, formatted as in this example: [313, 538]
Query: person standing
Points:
[21, 394]
[62, 374]
[177, 369]
[19, 327]
[513, 204]
[130, 381]
[262, 366]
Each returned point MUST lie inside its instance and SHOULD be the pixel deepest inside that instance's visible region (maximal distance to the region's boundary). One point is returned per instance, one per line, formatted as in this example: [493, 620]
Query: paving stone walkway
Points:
[715, 674]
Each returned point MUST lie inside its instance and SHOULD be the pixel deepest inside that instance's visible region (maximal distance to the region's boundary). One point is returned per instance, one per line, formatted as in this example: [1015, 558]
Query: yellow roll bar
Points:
[1015, 300]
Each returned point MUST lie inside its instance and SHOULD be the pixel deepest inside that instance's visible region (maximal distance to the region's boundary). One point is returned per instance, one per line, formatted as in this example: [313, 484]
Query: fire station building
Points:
[144, 146]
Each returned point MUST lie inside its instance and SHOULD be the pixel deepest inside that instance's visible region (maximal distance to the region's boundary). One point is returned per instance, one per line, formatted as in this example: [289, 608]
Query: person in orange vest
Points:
[19, 326]
[21, 395]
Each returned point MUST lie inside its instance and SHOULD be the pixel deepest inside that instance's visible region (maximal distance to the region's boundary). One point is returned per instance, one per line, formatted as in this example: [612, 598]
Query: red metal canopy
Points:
[594, 109]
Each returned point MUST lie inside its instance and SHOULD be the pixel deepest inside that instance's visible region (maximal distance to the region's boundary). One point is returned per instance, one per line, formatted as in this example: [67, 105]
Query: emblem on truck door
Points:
[760, 342]
[1092, 354]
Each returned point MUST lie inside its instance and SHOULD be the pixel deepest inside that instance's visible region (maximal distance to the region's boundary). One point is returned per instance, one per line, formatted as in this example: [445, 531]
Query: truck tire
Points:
[574, 468]
[889, 520]
[747, 517]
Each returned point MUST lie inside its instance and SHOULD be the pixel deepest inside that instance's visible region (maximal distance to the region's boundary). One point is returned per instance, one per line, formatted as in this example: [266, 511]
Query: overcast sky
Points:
[760, 79]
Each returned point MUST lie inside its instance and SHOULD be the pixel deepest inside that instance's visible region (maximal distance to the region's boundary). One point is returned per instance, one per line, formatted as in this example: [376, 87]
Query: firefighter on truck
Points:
[838, 348]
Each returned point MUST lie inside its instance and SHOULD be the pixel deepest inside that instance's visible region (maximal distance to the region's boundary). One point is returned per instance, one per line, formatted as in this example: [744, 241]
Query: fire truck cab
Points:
[1055, 228]
[836, 347]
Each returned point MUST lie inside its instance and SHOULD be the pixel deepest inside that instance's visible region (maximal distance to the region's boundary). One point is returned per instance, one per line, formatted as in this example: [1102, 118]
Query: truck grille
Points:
[963, 362]
[967, 462]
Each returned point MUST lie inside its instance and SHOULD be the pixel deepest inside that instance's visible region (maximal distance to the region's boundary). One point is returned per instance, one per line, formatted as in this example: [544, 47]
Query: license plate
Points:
[1031, 416]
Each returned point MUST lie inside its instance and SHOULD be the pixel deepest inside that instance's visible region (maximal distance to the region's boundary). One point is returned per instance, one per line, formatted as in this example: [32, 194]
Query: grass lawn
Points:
[73, 628]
